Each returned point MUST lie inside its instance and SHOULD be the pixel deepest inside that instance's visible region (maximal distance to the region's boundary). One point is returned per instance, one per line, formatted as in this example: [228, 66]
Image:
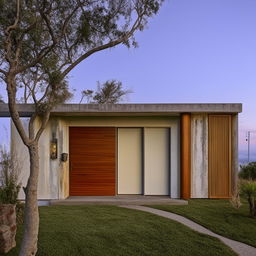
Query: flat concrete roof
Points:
[158, 109]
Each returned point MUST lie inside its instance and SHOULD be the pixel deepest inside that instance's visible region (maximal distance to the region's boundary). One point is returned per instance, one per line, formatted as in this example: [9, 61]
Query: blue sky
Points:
[192, 51]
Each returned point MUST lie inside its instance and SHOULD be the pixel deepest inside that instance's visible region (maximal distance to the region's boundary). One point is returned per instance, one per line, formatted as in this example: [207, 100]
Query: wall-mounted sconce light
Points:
[54, 149]
[64, 157]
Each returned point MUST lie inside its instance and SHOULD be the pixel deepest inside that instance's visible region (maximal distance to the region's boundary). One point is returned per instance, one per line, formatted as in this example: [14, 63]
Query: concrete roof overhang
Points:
[26, 110]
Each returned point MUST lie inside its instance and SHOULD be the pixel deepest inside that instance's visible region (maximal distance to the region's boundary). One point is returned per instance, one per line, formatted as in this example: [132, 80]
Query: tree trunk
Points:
[31, 218]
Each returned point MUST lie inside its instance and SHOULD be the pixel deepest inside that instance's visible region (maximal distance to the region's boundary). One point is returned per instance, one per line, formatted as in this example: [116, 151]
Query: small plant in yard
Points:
[235, 200]
[246, 188]
[9, 174]
[248, 172]
[9, 206]
[9, 182]
[248, 191]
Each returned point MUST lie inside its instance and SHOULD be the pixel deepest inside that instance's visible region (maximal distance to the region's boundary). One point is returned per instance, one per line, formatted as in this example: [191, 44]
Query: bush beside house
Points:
[247, 186]
[248, 172]
[9, 190]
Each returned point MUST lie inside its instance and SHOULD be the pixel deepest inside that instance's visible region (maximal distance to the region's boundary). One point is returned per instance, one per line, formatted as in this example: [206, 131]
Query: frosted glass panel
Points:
[156, 157]
[129, 161]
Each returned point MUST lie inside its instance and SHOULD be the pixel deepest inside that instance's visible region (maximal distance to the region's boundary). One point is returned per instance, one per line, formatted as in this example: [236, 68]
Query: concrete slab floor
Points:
[119, 200]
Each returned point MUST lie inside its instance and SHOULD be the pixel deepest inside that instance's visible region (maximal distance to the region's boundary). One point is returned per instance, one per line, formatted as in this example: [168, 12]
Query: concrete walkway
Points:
[240, 248]
[118, 200]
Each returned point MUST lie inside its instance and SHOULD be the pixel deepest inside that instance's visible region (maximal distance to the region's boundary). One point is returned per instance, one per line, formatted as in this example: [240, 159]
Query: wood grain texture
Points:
[219, 156]
[92, 161]
[185, 137]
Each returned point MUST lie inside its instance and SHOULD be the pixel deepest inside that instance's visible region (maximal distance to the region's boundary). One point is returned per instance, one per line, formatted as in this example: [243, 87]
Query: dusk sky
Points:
[193, 51]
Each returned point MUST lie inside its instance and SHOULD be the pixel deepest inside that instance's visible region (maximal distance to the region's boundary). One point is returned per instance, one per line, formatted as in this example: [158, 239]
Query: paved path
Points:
[119, 200]
[240, 248]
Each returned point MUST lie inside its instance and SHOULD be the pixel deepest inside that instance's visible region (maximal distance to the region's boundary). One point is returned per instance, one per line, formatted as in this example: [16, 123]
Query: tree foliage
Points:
[248, 172]
[111, 92]
[42, 41]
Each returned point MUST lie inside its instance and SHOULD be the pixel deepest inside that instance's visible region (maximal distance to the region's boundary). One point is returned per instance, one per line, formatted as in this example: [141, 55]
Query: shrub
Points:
[235, 200]
[248, 172]
[248, 191]
[9, 174]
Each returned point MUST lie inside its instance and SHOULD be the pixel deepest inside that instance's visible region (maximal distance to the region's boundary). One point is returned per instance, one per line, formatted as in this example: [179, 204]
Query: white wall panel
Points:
[129, 161]
[48, 179]
[156, 161]
[199, 170]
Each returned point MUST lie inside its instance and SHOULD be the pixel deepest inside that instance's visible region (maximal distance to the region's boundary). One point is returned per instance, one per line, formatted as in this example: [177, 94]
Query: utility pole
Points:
[248, 139]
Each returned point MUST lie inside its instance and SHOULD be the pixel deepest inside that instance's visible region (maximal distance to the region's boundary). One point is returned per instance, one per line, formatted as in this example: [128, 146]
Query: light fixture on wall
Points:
[54, 148]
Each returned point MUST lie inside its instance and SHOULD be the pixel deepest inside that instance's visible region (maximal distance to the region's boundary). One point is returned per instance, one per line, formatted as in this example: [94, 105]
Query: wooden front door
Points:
[92, 161]
[219, 156]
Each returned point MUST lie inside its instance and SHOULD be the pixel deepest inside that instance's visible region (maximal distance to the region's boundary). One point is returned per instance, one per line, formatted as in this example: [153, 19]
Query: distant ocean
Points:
[243, 161]
[243, 156]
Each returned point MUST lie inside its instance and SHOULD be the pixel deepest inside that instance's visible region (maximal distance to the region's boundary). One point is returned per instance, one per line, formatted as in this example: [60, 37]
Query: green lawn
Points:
[110, 230]
[220, 217]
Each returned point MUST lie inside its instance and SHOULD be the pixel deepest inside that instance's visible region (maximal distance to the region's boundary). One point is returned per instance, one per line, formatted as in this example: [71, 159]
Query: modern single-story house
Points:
[178, 150]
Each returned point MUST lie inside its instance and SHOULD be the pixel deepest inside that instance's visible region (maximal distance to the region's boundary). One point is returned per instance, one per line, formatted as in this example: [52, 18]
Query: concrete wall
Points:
[54, 174]
[21, 152]
[199, 158]
[234, 153]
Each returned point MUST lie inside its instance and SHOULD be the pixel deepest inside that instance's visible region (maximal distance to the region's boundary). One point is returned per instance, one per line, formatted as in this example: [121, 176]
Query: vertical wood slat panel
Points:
[219, 156]
[92, 161]
[185, 156]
